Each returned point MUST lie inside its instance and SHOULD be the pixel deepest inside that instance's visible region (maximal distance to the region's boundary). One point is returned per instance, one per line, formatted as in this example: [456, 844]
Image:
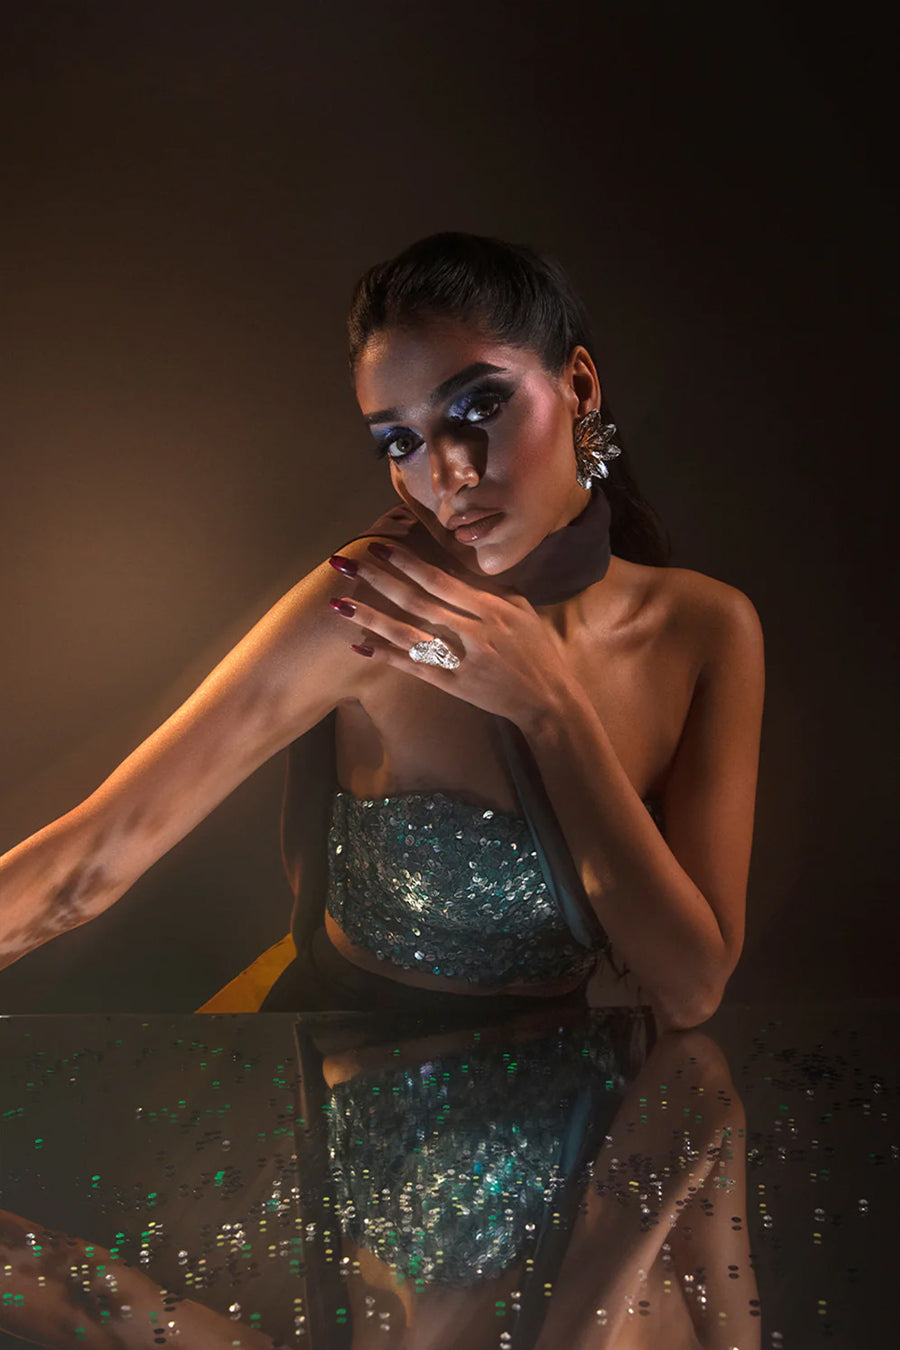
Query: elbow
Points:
[693, 1004]
[685, 1014]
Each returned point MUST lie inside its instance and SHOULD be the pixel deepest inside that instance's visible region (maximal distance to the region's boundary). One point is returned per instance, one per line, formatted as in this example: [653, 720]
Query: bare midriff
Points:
[376, 965]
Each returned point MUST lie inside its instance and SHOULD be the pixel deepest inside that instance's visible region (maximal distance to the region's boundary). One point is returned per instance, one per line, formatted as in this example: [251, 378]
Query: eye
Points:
[490, 401]
[479, 405]
[397, 445]
[474, 407]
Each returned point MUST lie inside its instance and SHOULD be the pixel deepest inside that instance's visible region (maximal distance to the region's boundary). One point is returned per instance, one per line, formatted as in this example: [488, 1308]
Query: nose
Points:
[455, 464]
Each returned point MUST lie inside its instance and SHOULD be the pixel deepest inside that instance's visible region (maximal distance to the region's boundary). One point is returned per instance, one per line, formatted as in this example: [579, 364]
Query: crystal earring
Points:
[593, 447]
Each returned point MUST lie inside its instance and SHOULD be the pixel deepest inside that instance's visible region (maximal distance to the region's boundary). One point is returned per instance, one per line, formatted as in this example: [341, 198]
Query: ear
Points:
[582, 382]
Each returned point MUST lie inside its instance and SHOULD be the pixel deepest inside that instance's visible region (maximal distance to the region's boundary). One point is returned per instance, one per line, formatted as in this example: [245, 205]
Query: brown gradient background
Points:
[190, 191]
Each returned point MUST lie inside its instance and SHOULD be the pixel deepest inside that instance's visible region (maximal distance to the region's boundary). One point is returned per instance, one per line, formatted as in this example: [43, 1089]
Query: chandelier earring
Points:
[593, 447]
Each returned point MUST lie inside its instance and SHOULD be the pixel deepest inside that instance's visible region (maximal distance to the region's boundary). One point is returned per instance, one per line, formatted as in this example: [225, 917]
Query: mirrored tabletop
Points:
[562, 1179]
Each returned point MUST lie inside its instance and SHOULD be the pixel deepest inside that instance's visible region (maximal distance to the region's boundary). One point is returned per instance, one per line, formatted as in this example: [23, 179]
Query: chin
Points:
[478, 569]
[490, 557]
[490, 562]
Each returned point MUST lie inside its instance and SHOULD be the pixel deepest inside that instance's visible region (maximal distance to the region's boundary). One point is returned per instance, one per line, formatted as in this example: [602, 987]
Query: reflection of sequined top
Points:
[435, 884]
[448, 1170]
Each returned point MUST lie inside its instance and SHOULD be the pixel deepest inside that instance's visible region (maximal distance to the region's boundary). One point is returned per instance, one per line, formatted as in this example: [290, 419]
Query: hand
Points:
[511, 662]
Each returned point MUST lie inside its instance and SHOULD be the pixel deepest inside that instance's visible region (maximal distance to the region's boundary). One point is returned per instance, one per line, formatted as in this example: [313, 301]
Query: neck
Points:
[569, 559]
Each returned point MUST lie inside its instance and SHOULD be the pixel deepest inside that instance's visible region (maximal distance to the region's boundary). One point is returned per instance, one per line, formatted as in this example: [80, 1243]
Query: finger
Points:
[395, 631]
[384, 653]
[401, 590]
[460, 588]
[433, 581]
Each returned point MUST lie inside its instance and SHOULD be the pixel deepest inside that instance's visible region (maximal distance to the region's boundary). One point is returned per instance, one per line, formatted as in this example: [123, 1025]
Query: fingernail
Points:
[363, 651]
[345, 607]
[348, 566]
[380, 551]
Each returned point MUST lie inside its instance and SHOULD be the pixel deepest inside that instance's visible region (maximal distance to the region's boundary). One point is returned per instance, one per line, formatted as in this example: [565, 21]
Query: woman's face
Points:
[475, 428]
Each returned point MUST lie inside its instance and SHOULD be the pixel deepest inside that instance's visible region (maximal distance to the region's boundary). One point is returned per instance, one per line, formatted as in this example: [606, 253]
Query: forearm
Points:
[75, 868]
[280, 680]
[62, 1292]
[655, 916]
[57, 879]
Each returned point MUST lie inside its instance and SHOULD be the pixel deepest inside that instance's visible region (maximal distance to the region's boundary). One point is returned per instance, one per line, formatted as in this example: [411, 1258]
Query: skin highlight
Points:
[518, 461]
[646, 684]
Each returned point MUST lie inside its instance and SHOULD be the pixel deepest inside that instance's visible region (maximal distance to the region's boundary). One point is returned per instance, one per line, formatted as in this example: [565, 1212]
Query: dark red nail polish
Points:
[381, 551]
[345, 607]
[348, 566]
[363, 651]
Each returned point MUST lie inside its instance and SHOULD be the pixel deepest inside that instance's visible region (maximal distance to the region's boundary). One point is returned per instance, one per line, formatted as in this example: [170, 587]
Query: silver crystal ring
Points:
[434, 653]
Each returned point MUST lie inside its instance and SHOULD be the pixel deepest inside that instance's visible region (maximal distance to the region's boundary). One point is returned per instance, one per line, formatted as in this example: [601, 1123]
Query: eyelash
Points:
[468, 402]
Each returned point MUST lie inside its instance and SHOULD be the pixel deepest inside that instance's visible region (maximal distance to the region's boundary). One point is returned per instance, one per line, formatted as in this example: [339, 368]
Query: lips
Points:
[478, 527]
[468, 518]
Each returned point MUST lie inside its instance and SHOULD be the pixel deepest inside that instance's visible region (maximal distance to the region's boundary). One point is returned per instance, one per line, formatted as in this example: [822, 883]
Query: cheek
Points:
[400, 481]
[541, 442]
[412, 484]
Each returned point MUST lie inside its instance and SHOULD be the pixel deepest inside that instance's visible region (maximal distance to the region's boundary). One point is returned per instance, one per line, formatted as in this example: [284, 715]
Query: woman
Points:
[485, 657]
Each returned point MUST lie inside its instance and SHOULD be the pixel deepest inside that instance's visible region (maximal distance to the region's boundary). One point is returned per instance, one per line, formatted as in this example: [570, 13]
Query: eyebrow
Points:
[442, 391]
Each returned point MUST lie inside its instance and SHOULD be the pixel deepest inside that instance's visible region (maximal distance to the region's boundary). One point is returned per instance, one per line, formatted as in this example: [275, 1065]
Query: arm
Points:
[673, 908]
[287, 673]
[691, 1179]
[67, 1294]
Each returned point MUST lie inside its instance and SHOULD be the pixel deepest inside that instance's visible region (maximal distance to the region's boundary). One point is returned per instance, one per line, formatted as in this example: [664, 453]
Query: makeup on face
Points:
[476, 435]
[473, 532]
[482, 401]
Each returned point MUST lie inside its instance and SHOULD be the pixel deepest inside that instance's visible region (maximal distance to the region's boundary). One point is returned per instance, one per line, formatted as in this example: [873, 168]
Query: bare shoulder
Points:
[719, 612]
[303, 621]
[295, 664]
[693, 610]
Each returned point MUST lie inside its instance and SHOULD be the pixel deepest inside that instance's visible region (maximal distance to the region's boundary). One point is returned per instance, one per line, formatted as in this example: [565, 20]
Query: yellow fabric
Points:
[246, 991]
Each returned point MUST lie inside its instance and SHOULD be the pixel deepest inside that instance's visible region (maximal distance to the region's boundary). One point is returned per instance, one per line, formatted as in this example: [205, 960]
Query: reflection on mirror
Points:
[526, 1184]
[346, 1180]
[545, 1180]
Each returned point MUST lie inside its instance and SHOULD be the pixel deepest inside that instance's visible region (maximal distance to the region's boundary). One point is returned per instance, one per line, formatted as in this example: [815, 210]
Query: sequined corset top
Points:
[438, 885]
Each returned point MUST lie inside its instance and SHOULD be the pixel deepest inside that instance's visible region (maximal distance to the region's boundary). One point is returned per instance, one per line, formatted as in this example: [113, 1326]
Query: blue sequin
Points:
[436, 884]
[446, 1170]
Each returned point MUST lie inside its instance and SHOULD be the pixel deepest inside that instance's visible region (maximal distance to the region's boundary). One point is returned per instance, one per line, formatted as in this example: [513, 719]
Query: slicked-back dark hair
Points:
[524, 299]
